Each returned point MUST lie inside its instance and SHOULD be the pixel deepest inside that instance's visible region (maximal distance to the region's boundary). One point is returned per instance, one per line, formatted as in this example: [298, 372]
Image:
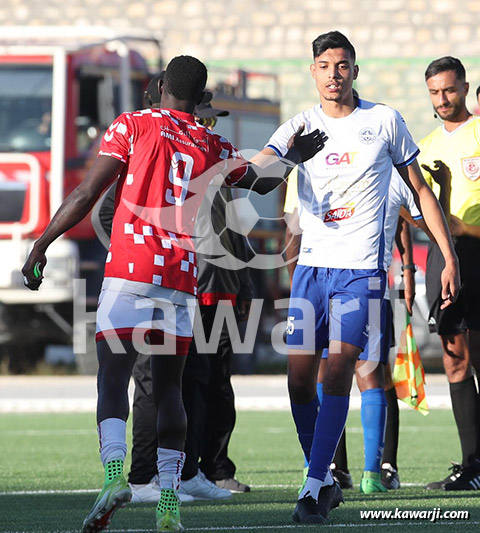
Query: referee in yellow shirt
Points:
[450, 159]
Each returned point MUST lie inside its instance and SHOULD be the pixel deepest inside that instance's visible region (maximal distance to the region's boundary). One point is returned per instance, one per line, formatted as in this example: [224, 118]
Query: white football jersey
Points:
[343, 189]
[399, 195]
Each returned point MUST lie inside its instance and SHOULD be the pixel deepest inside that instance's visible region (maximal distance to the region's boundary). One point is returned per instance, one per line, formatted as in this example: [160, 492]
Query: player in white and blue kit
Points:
[341, 268]
[371, 381]
[374, 380]
[370, 375]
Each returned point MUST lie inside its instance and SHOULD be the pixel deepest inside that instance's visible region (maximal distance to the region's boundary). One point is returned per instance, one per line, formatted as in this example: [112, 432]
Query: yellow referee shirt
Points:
[460, 151]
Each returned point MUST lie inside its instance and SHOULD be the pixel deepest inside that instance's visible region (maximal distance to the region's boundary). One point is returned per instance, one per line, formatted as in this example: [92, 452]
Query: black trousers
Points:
[209, 403]
[144, 449]
[220, 405]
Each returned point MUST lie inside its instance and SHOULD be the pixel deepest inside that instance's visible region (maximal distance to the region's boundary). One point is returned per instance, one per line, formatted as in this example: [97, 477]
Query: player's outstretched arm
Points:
[403, 239]
[263, 179]
[73, 209]
[435, 220]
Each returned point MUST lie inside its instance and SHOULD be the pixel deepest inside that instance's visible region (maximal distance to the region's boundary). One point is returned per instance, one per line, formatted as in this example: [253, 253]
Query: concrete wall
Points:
[395, 39]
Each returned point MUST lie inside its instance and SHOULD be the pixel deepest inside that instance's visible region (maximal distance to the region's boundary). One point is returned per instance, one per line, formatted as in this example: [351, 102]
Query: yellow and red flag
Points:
[408, 373]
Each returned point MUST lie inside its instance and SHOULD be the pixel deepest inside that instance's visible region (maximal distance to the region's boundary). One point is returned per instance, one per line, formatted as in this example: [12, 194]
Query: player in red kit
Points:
[164, 162]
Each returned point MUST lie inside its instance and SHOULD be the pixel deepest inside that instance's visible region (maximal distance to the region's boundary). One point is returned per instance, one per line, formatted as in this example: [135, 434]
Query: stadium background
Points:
[394, 39]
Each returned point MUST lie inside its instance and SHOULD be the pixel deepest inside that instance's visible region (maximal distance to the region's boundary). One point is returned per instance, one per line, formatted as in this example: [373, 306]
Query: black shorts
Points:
[465, 312]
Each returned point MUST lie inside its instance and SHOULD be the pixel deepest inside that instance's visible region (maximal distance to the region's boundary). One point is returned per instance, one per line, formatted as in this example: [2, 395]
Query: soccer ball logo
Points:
[239, 220]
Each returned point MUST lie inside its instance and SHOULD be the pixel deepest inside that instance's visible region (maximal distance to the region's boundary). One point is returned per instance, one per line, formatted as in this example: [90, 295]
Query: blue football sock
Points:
[330, 423]
[374, 415]
[320, 398]
[320, 392]
[305, 417]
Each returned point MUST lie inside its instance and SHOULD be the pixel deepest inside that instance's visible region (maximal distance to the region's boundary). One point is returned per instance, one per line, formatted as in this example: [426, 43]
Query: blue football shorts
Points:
[378, 346]
[334, 304]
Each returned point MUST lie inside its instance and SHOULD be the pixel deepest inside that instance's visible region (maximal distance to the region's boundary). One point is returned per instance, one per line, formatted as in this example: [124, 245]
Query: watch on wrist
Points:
[410, 266]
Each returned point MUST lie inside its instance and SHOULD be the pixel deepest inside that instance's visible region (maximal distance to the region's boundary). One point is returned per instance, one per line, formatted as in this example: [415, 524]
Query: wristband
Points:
[410, 266]
[36, 270]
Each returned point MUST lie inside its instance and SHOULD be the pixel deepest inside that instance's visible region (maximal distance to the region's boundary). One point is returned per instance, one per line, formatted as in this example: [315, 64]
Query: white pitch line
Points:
[273, 430]
[295, 486]
[242, 403]
[41, 492]
[47, 432]
[88, 491]
[331, 526]
[374, 523]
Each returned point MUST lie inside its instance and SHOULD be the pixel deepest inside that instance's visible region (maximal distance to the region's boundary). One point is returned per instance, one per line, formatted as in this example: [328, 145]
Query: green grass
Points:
[59, 453]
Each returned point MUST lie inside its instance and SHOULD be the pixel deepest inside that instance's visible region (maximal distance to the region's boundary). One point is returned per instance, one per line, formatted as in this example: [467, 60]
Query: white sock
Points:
[311, 488]
[328, 479]
[169, 466]
[112, 437]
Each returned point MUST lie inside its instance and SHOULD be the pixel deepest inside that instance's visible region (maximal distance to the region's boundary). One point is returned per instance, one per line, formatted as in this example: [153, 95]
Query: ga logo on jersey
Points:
[341, 159]
[471, 167]
[340, 213]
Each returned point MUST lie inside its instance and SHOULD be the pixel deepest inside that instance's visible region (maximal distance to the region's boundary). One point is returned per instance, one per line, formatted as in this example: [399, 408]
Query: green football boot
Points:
[371, 483]
[168, 513]
[115, 494]
[304, 480]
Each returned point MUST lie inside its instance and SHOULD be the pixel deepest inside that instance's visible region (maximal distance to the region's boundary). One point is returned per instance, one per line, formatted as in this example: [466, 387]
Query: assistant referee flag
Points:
[408, 373]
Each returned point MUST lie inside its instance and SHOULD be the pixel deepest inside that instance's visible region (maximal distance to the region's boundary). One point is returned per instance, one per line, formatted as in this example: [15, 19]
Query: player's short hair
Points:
[185, 78]
[443, 64]
[332, 39]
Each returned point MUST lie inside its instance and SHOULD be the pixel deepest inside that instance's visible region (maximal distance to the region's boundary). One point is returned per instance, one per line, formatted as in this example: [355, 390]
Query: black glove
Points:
[303, 147]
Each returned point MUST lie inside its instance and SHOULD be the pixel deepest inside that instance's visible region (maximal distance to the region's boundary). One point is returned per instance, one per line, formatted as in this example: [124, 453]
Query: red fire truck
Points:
[59, 89]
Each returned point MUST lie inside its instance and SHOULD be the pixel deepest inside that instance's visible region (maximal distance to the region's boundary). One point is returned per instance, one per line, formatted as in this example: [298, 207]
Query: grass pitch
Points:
[50, 472]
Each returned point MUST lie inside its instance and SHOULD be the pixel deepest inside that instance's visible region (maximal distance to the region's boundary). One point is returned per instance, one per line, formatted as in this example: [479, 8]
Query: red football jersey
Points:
[169, 162]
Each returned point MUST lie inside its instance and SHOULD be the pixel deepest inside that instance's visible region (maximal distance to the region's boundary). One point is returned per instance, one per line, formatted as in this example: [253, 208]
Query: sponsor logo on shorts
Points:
[367, 135]
[366, 330]
[471, 167]
[290, 325]
[340, 213]
[307, 250]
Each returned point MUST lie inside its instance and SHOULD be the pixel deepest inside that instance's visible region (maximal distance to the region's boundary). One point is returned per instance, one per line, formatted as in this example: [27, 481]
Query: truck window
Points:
[99, 105]
[25, 108]
[89, 121]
